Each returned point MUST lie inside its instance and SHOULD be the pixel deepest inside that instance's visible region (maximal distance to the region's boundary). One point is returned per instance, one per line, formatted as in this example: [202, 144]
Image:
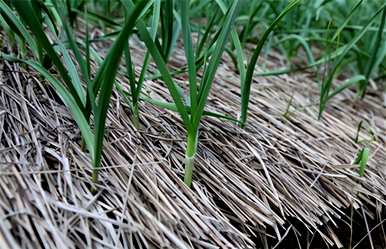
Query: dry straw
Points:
[275, 169]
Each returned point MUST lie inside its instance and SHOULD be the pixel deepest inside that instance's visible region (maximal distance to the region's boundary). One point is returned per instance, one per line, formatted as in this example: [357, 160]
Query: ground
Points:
[286, 180]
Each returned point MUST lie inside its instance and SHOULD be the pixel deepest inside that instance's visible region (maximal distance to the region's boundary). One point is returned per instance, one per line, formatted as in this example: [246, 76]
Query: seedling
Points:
[198, 93]
[81, 101]
[361, 160]
[247, 84]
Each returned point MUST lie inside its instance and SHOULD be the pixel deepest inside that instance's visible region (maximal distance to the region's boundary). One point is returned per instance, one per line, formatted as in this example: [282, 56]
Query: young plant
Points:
[82, 102]
[198, 90]
[361, 159]
[169, 33]
[362, 86]
[247, 83]
[136, 85]
[326, 93]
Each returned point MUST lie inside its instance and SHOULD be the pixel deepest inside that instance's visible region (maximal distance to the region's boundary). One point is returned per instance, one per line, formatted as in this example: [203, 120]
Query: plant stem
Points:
[135, 116]
[190, 154]
[95, 175]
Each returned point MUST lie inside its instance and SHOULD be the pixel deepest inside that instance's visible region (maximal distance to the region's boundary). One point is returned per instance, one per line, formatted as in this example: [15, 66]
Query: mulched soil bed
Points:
[283, 180]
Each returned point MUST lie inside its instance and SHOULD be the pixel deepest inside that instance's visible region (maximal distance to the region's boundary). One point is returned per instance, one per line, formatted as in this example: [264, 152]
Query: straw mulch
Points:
[249, 185]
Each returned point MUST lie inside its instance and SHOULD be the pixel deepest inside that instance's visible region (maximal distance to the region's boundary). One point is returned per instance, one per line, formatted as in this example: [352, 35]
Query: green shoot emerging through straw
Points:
[45, 36]
[81, 102]
[325, 92]
[361, 160]
[247, 84]
[198, 93]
